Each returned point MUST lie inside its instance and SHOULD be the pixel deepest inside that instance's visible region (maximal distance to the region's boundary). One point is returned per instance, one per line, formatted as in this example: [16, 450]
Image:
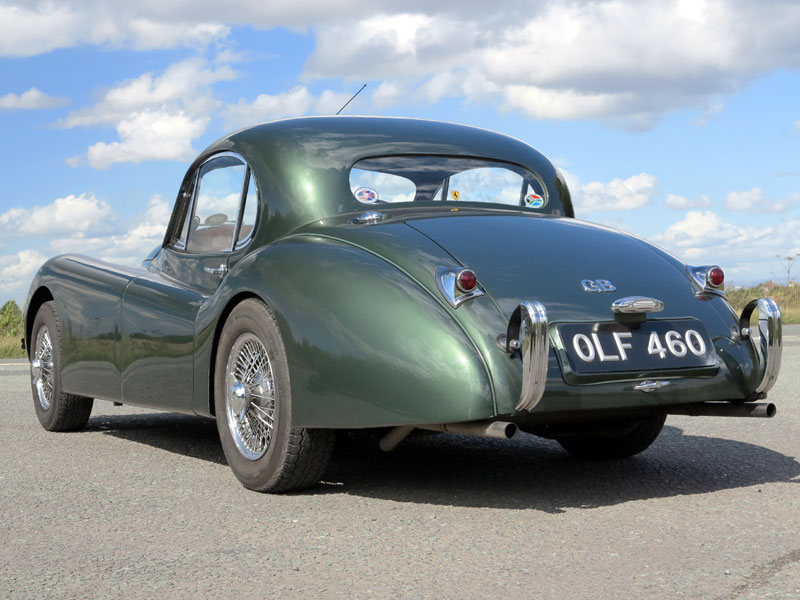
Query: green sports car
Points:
[332, 273]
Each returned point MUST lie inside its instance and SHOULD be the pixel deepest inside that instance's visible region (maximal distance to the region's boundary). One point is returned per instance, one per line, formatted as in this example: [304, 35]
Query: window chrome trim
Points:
[498, 163]
[242, 205]
[234, 246]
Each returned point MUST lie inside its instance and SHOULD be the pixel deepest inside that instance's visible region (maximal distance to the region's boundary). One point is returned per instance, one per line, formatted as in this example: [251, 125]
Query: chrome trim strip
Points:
[446, 282]
[221, 270]
[636, 304]
[771, 333]
[527, 330]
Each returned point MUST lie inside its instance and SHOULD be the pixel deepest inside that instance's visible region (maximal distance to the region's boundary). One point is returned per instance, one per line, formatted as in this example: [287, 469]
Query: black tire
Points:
[632, 440]
[55, 409]
[277, 459]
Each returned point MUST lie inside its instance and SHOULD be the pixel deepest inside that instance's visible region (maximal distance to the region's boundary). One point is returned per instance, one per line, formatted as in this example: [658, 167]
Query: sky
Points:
[678, 121]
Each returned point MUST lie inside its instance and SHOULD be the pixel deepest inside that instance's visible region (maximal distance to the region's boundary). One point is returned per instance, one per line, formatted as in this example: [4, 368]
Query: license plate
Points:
[647, 346]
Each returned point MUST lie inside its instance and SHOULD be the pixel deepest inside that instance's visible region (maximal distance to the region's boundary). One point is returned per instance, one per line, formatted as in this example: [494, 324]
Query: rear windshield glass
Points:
[390, 179]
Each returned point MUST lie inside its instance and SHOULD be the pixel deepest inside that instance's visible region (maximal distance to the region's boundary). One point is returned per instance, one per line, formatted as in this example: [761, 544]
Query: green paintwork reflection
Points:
[370, 340]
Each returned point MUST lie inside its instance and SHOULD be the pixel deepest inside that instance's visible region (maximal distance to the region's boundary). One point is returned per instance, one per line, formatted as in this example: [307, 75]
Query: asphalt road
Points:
[142, 505]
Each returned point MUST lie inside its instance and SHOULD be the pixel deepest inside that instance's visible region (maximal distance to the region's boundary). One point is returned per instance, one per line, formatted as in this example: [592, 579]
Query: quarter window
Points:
[248, 213]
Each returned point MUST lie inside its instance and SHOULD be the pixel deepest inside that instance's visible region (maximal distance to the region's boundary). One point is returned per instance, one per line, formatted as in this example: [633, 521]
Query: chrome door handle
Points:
[221, 270]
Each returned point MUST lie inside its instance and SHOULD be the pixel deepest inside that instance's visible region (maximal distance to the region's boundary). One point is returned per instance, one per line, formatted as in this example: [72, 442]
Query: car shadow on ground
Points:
[195, 437]
[524, 473]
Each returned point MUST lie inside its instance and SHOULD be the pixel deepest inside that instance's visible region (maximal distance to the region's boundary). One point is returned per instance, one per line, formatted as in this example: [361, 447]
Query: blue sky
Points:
[678, 121]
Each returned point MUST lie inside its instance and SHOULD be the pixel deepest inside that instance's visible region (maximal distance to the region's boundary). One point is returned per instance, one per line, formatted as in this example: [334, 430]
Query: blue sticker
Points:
[534, 200]
[366, 195]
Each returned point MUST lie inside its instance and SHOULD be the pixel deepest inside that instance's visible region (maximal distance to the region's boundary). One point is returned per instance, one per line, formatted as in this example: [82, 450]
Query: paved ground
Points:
[142, 504]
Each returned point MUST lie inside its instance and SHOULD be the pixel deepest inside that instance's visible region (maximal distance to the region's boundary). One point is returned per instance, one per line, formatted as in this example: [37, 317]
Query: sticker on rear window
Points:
[366, 195]
[534, 200]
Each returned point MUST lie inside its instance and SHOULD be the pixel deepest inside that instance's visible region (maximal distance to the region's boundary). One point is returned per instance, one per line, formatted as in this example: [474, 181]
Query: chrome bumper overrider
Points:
[527, 332]
[769, 328]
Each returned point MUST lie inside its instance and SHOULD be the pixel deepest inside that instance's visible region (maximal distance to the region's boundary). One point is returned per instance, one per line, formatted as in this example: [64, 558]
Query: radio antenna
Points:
[351, 99]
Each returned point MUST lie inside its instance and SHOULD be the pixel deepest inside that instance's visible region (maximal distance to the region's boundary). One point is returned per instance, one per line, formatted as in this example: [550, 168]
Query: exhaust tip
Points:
[510, 430]
[770, 410]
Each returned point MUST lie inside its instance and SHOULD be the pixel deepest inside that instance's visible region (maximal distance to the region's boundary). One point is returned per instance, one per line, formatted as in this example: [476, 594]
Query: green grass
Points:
[10, 347]
[788, 298]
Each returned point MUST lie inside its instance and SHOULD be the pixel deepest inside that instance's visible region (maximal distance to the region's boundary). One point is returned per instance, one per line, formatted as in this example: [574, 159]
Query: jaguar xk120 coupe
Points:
[332, 273]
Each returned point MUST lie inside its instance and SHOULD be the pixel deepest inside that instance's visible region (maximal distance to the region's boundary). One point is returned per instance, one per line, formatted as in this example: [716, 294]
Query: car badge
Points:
[598, 285]
[454, 194]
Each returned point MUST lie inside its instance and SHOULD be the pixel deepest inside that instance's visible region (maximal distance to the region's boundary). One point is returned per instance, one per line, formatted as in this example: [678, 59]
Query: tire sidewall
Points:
[46, 317]
[252, 316]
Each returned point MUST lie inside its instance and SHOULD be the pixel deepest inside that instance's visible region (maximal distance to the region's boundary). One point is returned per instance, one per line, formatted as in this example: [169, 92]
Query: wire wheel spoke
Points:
[42, 368]
[249, 388]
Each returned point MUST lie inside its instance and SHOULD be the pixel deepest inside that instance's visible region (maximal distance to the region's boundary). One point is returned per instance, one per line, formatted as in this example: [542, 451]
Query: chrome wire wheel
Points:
[42, 371]
[250, 396]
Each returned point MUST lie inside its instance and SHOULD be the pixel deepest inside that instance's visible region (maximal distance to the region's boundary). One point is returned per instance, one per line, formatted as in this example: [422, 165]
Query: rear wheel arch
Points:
[39, 297]
[223, 317]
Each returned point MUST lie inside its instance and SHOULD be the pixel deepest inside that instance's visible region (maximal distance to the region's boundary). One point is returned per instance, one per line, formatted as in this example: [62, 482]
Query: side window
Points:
[248, 213]
[216, 205]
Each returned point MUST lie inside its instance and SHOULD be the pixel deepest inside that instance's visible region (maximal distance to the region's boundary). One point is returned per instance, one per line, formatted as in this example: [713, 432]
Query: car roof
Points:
[303, 163]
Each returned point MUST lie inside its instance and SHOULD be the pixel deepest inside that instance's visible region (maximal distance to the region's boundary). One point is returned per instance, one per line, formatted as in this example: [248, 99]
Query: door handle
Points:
[221, 270]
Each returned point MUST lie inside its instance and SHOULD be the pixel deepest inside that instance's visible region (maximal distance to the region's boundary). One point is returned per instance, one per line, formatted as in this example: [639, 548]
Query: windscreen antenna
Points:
[351, 99]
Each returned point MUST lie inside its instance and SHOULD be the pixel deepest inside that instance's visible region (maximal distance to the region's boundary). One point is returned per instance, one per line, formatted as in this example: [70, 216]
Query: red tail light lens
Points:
[716, 276]
[466, 280]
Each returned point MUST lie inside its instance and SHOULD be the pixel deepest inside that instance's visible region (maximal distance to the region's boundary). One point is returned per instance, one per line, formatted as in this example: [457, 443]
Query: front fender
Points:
[366, 345]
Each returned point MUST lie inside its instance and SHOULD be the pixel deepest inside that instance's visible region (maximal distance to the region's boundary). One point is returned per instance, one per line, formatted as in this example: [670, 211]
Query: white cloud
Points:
[712, 110]
[128, 248]
[69, 236]
[702, 237]
[387, 93]
[27, 30]
[31, 100]
[296, 102]
[156, 117]
[625, 61]
[149, 135]
[16, 270]
[186, 84]
[797, 125]
[71, 214]
[622, 60]
[754, 201]
[680, 203]
[617, 194]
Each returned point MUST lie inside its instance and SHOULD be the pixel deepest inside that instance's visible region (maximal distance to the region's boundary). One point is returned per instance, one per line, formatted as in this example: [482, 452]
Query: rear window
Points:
[419, 178]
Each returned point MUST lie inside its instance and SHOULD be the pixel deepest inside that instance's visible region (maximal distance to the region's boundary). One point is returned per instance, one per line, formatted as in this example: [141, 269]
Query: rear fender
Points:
[366, 345]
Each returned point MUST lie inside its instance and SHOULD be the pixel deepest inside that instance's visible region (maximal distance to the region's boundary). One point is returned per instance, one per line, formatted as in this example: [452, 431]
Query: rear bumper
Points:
[769, 348]
[747, 369]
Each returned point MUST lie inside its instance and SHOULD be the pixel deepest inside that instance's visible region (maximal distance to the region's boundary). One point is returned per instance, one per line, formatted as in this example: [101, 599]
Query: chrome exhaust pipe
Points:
[502, 430]
[764, 410]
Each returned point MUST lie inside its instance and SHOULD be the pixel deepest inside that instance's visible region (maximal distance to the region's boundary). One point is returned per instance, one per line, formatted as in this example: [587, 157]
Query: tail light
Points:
[709, 278]
[715, 276]
[466, 280]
